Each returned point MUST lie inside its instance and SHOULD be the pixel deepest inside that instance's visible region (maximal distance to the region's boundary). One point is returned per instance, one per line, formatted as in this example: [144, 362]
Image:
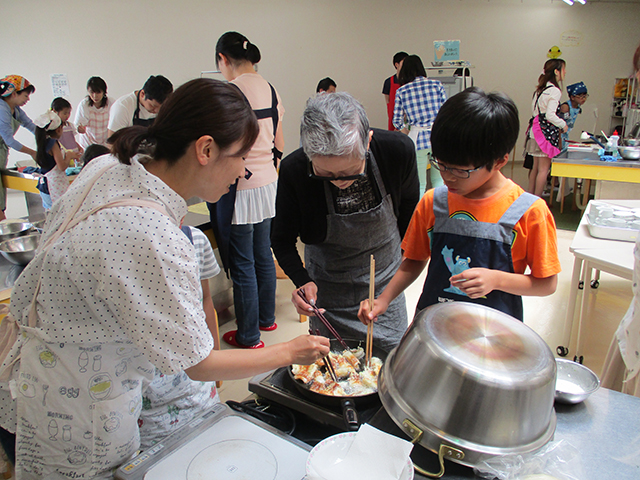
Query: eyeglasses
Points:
[357, 176]
[456, 172]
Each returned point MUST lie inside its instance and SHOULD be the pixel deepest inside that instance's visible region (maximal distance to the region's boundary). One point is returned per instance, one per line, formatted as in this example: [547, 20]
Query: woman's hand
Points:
[311, 292]
[367, 315]
[306, 349]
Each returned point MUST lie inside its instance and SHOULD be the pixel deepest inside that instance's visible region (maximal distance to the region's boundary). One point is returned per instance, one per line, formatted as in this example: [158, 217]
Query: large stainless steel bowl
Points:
[13, 228]
[472, 378]
[20, 250]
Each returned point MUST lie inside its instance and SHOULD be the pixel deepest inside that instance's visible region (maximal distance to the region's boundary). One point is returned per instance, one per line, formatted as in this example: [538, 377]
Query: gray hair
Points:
[334, 125]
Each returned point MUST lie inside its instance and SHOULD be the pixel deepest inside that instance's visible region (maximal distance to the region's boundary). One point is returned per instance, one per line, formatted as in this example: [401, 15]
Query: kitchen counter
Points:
[587, 165]
[605, 430]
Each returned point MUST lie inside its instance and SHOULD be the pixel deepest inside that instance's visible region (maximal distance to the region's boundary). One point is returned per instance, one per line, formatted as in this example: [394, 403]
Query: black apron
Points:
[459, 244]
[143, 122]
[340, 268]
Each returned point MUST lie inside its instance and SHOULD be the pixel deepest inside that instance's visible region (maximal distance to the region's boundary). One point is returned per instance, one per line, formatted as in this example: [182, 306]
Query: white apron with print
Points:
[78, 407]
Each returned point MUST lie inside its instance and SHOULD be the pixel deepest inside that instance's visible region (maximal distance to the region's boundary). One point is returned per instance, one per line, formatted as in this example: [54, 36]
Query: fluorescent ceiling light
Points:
[581, 1]
[568, 2]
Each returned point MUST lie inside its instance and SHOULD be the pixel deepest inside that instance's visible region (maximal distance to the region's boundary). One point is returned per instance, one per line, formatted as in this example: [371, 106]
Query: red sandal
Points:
[230, 338]
[270, 328]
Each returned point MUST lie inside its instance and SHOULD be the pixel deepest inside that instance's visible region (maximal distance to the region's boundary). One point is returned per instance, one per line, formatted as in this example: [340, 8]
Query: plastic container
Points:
[602, 223]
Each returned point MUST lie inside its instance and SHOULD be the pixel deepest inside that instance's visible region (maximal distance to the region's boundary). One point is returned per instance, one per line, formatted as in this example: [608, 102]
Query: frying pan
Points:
[348, 404]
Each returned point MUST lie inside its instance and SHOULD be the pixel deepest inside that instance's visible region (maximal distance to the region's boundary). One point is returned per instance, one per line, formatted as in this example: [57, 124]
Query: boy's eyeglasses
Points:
[357, 176]
[456, 172]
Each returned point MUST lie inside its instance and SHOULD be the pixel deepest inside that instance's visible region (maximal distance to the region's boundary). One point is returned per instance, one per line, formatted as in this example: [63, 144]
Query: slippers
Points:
[230, 338]
[270, 328]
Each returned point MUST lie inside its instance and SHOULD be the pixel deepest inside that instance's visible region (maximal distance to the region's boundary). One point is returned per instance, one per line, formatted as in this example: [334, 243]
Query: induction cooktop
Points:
[221, 444]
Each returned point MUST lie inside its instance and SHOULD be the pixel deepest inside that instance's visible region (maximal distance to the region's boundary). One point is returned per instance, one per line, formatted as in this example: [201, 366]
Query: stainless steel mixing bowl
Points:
[20, 250]
[629, 153]
[472, 378]
[574, 382]
[13, 228]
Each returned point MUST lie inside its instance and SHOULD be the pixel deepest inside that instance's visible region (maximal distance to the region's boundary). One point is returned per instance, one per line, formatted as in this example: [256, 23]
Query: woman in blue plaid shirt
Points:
[418, 101]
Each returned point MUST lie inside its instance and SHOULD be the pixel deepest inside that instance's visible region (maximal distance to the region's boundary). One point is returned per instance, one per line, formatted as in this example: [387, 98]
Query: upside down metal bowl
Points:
[20, 250]
[470, 382]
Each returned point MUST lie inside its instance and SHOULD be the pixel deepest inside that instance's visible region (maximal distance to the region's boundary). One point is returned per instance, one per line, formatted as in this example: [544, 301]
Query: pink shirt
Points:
[260, 159]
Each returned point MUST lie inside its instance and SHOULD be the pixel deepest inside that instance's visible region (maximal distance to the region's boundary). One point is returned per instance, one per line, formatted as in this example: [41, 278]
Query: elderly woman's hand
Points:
[306, 349]
[310, 291]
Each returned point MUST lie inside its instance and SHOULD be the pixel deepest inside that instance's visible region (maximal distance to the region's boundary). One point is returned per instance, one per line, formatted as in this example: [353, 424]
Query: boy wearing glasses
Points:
[480, 230]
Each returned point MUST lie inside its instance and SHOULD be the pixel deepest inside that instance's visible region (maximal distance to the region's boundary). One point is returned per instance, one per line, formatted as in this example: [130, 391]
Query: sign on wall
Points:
[446, 50]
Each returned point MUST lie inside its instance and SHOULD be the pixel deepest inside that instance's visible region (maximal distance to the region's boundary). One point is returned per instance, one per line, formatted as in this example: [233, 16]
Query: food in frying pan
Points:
[354, 377]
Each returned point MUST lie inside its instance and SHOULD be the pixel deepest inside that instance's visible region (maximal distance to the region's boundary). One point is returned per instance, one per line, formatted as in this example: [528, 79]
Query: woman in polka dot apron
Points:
[114, 291]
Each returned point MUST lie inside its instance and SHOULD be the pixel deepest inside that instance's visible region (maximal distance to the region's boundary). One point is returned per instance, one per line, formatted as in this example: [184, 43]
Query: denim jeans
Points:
[254, 279]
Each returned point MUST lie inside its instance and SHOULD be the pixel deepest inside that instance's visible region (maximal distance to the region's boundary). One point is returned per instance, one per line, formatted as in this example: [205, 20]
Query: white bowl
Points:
[333, 450]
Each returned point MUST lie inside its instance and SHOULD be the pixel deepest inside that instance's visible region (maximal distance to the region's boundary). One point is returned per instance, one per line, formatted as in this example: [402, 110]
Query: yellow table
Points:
[588, 165]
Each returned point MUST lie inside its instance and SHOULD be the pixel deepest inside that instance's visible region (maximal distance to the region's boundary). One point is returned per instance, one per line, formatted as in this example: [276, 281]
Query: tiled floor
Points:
[546, 315]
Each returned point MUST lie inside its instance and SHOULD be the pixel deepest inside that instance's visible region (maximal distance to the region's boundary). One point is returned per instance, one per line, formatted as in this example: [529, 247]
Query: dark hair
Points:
[42, 135]
[412, 68]
[197, 108]
[325, 84]
[549, 74]
[237, 48]
[157, 88]
[93, 151]
[636, 60]
[398, 57]
[475, 128]
[59, 104]
[30, 89]
[97, 84]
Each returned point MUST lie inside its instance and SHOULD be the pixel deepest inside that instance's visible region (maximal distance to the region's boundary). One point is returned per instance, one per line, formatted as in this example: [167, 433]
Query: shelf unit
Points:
[625, 105]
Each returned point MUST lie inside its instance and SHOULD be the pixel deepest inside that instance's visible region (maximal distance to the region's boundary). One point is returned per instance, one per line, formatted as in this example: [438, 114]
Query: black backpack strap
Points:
[273, 113]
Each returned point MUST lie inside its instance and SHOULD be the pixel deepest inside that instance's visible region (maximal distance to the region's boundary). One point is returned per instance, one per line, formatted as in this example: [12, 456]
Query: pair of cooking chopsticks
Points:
[317, 313]
[372, 294]
[327, 361]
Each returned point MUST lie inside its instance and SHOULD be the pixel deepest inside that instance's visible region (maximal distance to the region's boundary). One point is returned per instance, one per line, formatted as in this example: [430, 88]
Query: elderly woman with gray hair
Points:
[348, 193]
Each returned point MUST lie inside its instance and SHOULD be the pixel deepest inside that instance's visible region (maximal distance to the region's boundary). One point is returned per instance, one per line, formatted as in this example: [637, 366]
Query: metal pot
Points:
[469, 382]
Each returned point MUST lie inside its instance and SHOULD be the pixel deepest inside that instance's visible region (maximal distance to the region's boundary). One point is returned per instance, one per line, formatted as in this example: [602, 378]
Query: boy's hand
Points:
[476, 282]
[367, 315]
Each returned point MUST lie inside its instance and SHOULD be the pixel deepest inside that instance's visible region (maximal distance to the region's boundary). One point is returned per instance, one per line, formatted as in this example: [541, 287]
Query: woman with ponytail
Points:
[545, 127]
[242, 219]
[114, 291]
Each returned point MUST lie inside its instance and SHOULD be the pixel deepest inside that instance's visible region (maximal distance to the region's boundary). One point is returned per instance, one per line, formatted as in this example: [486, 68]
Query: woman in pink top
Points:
[247, 255]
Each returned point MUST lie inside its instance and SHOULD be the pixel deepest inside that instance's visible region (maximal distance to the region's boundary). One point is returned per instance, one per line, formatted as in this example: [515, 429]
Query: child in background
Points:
[62, 108]
[92, 115]
[568, 111]
[52, 159]
[480, 230]
[171, 401]
[92, 151]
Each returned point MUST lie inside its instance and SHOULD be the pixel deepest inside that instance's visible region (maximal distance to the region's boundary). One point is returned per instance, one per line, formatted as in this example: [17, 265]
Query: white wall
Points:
[301, 41]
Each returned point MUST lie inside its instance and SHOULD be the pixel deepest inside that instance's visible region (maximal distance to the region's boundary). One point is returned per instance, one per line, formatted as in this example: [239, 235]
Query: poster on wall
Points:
[446, 50]
[60, 85]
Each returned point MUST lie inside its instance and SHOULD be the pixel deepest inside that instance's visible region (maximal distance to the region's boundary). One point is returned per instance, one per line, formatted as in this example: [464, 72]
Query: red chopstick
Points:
[322, 318]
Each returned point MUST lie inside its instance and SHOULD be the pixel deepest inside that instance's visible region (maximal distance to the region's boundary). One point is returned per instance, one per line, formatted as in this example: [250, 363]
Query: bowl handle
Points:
[444, 451]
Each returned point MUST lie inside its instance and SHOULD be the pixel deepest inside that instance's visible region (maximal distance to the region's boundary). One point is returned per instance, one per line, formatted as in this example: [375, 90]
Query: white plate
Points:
[333, 450]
